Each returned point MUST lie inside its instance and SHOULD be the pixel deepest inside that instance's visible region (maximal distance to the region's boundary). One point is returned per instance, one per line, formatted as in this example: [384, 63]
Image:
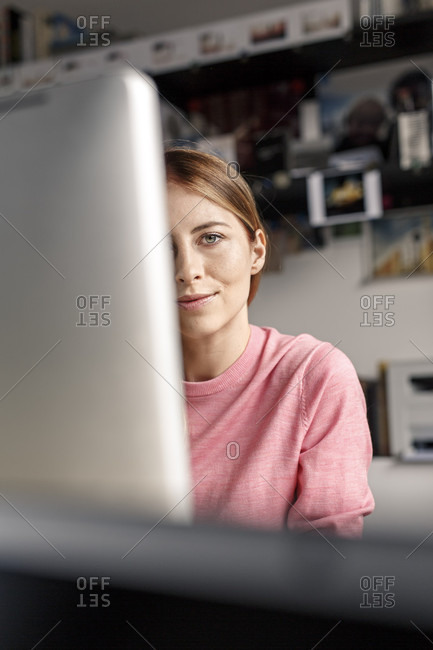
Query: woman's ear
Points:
[258, 252]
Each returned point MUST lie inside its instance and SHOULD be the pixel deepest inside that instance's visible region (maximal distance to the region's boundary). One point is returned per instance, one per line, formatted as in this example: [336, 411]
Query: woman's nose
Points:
[188, 265]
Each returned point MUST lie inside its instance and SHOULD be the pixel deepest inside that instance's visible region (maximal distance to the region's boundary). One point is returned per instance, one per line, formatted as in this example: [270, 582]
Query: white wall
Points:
[310, 296]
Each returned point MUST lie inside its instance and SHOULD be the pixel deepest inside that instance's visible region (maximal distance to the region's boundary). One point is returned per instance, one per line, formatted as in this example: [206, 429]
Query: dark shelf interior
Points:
[401, 190]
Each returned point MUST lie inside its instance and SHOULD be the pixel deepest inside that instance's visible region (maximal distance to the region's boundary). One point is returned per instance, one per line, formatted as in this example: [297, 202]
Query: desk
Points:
[203, 587]
[403, 493]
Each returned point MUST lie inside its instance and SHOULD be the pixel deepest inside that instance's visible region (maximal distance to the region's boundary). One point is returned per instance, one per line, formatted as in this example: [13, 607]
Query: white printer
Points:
[409, 387]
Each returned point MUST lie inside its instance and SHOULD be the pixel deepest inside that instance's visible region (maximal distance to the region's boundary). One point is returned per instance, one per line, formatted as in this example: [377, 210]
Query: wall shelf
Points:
[413, 36]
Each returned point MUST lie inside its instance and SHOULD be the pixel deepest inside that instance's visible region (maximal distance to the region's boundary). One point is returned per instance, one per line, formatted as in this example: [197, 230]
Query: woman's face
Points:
[214, 260]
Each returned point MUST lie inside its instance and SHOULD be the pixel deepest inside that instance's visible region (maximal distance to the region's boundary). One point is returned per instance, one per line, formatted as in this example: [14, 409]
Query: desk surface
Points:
[403, 493]
[295, 575]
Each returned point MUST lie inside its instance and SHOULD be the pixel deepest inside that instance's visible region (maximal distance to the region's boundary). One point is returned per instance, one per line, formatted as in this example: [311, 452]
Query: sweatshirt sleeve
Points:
[332, 492]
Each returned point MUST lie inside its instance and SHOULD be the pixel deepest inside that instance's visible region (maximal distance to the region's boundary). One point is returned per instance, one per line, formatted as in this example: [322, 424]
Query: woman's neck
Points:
[210, 356]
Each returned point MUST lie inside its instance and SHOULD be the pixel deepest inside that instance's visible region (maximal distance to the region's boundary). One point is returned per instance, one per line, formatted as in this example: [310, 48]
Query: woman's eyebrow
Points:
[209, 224]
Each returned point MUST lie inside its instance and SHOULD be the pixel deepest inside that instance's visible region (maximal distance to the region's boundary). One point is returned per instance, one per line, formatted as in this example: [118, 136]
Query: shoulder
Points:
[304, 354]
[316, 373]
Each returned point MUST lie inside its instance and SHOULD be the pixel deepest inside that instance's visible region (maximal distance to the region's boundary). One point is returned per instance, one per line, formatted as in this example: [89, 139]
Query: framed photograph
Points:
[269, 30]
[336, 196]
[172, 51]
[359, 106]
[323, 20]
[400, 246]
[221, 40]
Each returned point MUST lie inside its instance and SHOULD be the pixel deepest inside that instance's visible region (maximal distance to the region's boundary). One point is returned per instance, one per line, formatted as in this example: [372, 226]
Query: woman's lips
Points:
[190, 305]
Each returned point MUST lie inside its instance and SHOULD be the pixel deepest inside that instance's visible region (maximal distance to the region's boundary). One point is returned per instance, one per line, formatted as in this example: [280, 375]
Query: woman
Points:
[277, 423]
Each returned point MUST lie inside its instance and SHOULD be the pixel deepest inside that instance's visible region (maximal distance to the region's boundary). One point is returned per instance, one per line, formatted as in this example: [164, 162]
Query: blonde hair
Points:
[221, 183]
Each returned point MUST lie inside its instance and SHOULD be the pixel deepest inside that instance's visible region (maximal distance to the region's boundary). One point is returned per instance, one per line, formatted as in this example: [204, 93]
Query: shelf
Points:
[413, 36]
[405, 190]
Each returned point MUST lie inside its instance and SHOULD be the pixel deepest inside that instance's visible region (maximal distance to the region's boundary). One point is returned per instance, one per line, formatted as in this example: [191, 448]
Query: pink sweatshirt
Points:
[282, 438]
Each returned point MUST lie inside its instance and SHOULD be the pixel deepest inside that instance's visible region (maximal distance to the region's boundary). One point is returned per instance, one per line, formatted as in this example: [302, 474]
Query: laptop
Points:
[91, 405]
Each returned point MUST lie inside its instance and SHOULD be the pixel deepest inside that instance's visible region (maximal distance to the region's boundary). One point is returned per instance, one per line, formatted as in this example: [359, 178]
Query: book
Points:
[17, 43]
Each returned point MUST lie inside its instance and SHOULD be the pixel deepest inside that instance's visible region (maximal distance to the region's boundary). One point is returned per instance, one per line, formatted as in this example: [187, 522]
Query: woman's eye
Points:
[211, 238]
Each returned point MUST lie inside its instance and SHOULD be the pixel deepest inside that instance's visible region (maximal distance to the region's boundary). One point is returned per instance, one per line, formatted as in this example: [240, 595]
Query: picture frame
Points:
[399, 245]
